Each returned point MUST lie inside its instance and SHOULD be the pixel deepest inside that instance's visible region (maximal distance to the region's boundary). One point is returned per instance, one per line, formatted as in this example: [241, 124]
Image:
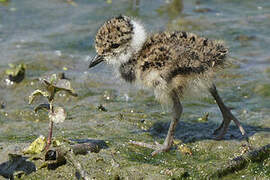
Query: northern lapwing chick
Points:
[167, 62]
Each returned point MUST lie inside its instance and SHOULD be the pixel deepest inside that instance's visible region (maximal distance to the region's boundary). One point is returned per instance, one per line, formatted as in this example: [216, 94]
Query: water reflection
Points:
[133, 7]
[176, 19]
[172, 9]
[4, 2]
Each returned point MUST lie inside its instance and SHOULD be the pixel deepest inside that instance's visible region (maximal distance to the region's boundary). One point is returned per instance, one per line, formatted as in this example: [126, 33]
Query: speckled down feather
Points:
[180, 53]
[114, 33]
[163, 61]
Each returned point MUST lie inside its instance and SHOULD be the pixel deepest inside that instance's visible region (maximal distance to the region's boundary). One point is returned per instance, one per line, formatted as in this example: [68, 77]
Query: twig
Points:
[142, 144]
[242, 161]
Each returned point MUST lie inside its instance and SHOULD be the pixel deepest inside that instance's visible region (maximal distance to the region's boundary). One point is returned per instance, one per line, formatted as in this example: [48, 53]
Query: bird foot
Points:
[217, 130]
[221, 131]
[223, 128]
[158, 148]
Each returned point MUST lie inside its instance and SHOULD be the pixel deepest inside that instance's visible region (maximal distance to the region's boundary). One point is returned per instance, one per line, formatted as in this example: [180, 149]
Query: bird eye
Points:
[115, 46]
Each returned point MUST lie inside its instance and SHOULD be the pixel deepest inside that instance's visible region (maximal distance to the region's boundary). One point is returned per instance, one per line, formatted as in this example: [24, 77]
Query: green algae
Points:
[124, 160]
[138, 160]
[138, 117]
[263, 90]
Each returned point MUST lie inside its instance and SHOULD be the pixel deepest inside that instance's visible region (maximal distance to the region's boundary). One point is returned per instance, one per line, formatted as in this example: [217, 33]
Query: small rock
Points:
[185, 175]
[243, 37]
[114, 163]
[101, 108]
[2, 105]
[202, 10]
[16, 73]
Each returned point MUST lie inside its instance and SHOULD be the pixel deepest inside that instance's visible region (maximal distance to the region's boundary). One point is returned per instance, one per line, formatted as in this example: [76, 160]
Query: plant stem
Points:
[49, 139]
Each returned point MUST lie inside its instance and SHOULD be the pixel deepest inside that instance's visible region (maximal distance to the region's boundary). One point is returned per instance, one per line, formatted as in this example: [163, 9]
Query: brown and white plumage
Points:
[170, 60]
[167, 62]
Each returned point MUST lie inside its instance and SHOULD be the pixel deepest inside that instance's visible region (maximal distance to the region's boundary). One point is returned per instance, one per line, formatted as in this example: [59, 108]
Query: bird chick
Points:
[167, 62]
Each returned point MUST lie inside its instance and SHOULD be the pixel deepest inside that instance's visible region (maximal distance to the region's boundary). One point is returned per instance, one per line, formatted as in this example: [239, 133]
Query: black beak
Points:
[96, 60]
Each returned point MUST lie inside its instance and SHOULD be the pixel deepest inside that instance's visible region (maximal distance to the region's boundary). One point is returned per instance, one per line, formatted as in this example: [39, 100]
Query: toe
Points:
[219, 137]
[160, 149]
[142, 144]
[219, 128]
[156, 152]
[216, 131]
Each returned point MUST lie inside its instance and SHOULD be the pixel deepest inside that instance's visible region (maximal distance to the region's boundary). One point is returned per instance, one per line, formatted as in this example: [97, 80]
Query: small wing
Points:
[184, 52]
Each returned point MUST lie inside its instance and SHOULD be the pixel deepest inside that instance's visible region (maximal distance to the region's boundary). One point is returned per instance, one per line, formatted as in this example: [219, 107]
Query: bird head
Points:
[117, 39]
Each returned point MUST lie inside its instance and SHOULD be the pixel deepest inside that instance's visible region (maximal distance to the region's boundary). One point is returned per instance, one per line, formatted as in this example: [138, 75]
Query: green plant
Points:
[16, 73]
[56, 114]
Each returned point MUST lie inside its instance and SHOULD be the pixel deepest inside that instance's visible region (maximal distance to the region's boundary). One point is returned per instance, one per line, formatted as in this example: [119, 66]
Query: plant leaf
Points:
[37, 146]
[184, 149]
[15, 70]
[16, 73]
[58, 116]
[65, 85]
[54, 84]
[53, 78]
[37, 93]
[42, 106]
[204, 118]
[50, 88]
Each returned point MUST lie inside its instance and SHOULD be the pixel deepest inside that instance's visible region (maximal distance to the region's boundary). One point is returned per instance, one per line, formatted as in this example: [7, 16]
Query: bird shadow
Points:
[198, 131]
[16, 165]
[188, 132]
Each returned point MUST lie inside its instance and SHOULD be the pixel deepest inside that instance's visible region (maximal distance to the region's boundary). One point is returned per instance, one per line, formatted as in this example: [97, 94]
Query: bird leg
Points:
[227, 116]
[176, 113]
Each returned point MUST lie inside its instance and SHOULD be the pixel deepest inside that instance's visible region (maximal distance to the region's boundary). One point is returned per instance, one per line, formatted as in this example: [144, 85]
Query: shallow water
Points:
[50, 36]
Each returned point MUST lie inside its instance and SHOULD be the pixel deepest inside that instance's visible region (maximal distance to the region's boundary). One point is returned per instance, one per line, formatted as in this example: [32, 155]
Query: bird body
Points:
[167, 62]
[173, 60]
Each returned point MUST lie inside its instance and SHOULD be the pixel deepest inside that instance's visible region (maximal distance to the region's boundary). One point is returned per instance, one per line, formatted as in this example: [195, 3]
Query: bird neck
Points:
[127, 61]
[139, 36]
[138, 39]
